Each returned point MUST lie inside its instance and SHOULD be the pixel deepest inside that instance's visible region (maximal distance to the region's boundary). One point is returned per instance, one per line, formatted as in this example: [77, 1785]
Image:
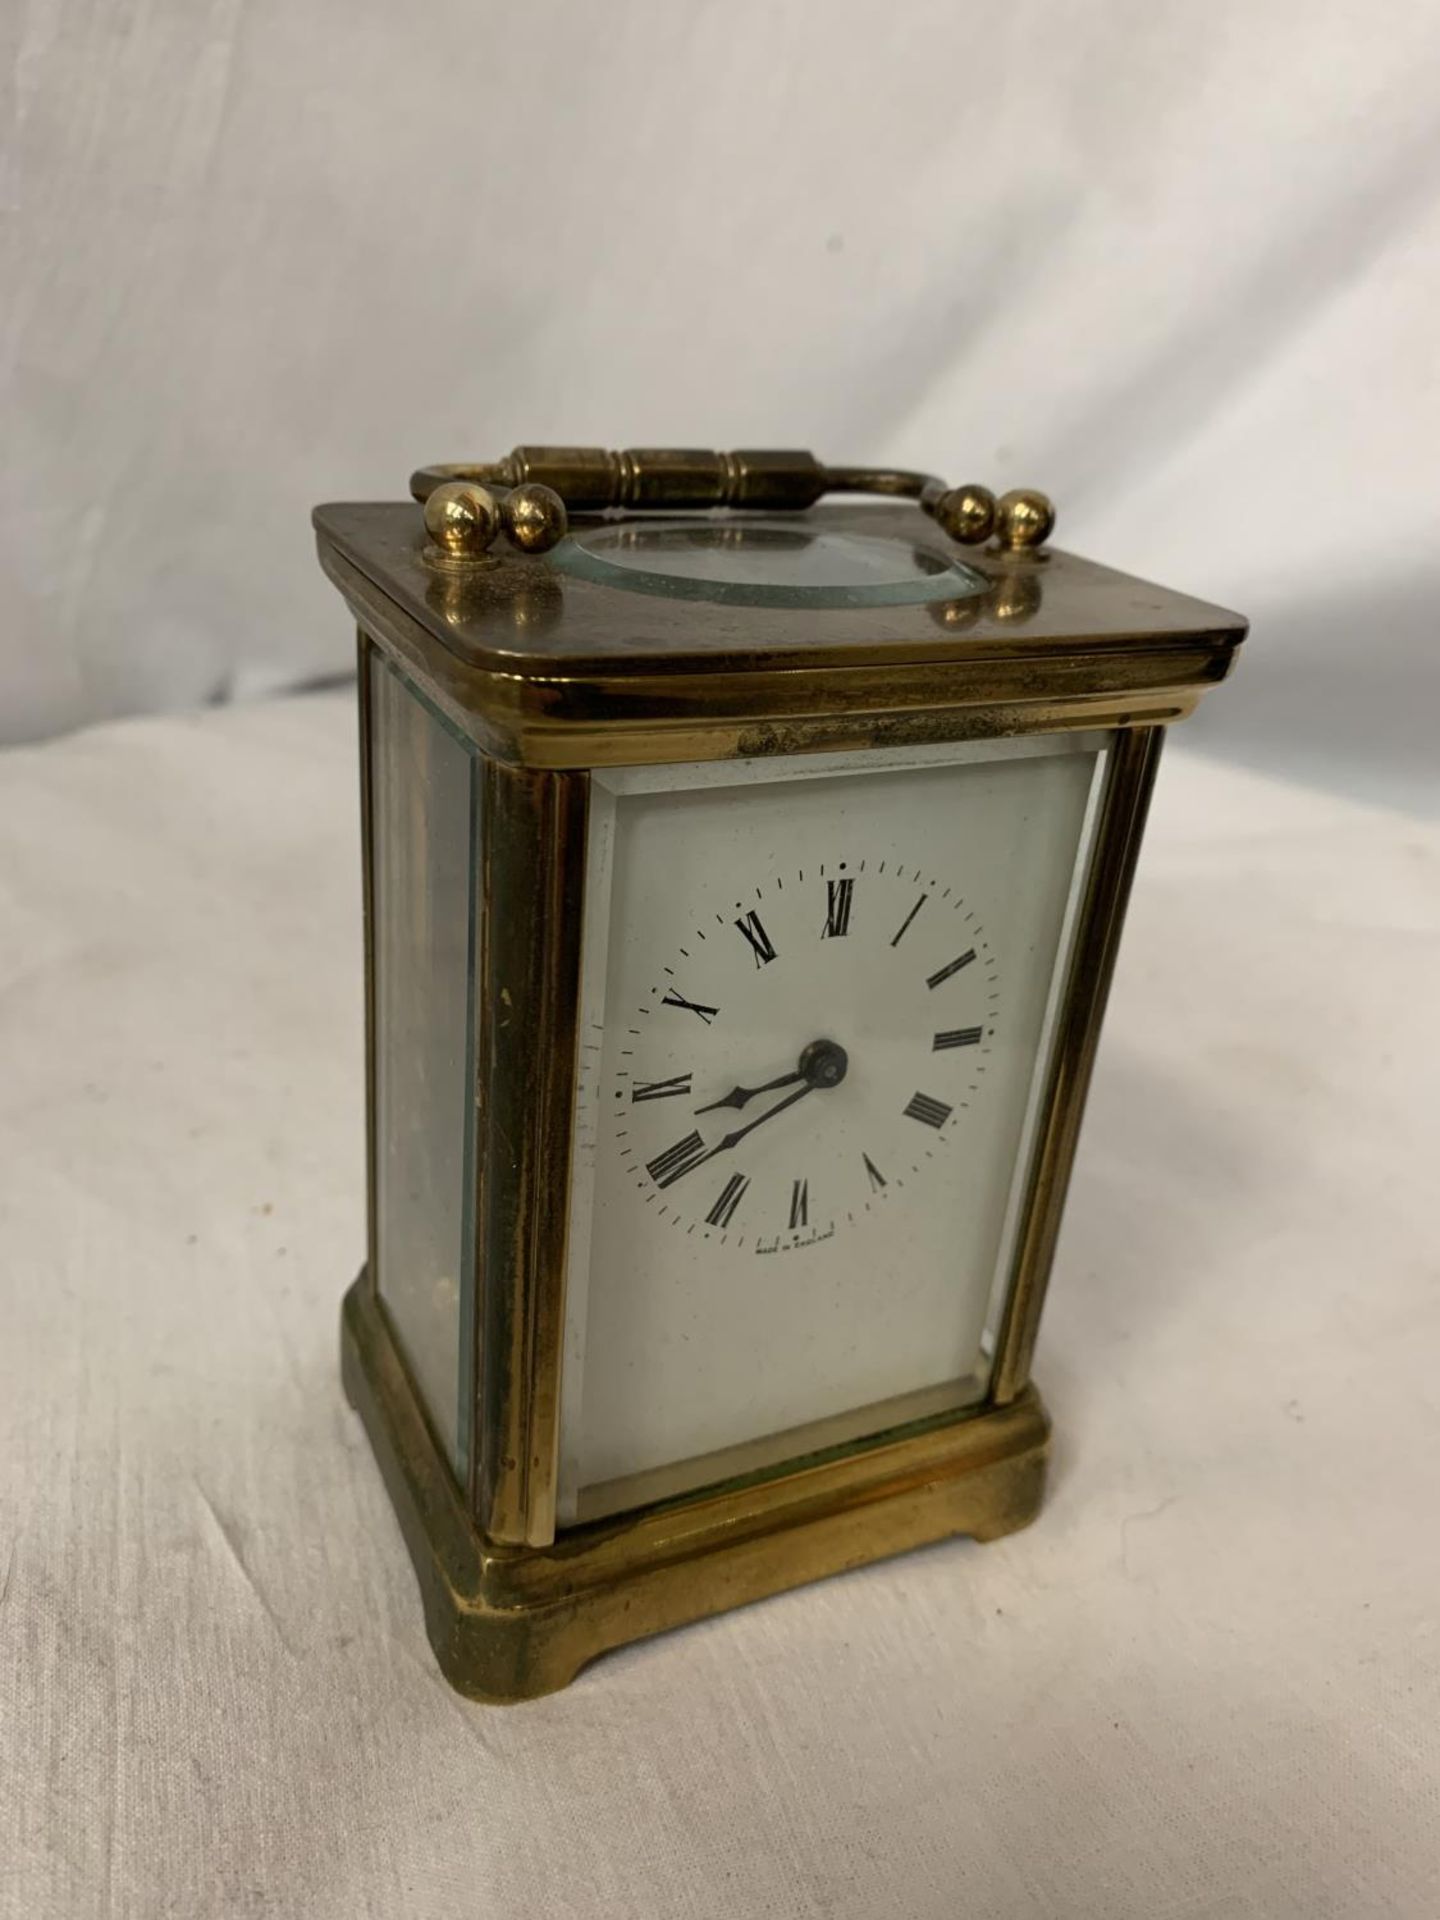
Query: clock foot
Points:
[511, 1623]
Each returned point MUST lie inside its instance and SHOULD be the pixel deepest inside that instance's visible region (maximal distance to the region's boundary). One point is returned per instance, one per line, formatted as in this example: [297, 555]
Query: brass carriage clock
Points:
[744, 868]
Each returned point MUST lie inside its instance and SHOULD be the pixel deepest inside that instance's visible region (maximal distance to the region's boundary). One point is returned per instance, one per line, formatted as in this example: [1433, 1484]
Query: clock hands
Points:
[823, 1064]
[731, 1139]
[737, 1134]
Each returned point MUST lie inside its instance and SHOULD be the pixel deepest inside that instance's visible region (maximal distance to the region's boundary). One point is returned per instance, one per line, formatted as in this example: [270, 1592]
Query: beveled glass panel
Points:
[764, 563]
[424, 798]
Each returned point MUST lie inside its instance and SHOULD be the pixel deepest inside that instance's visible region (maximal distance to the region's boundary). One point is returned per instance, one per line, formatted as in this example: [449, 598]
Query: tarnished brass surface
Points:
[531, 919]
[363, 647]
[509, 1623]
[589, 479]
[545, 669]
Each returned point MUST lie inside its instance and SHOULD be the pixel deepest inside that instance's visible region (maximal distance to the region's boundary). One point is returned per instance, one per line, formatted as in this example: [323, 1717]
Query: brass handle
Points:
[529, 494]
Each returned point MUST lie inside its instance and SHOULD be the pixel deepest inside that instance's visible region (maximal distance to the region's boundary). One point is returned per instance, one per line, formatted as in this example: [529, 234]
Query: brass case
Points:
[551, 675]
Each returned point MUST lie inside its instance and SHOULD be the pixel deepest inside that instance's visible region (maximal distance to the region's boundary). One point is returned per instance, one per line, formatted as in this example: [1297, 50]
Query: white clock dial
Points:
[807, 1053]
[815, 1015]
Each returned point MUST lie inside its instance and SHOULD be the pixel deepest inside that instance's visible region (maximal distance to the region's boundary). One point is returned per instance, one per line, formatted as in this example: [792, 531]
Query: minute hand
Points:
[733, 1139]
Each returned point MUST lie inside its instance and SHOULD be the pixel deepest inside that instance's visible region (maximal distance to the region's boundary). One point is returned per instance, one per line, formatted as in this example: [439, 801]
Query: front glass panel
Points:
[423, 807]
[816, 1016]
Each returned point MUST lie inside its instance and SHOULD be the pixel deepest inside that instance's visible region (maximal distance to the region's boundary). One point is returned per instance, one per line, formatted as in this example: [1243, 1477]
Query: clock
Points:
[744, 868]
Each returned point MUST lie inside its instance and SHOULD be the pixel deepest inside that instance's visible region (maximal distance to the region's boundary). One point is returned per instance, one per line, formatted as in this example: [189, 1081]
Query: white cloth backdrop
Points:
[1180, 265]
[1177, 263]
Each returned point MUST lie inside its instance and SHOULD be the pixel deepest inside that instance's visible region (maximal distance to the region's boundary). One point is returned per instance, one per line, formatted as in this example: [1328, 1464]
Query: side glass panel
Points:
[424, 800]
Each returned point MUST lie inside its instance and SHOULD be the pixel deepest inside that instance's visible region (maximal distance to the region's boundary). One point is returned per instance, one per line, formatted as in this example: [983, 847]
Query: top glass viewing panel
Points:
[763, 563]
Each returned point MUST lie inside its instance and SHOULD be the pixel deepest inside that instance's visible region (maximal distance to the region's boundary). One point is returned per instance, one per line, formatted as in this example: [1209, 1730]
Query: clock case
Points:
[549, 675]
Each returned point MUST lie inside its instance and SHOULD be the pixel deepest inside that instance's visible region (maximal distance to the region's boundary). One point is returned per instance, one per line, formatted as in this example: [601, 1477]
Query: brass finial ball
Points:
[967, 514]
[534, 517]
[1024, 518]
[462, 519]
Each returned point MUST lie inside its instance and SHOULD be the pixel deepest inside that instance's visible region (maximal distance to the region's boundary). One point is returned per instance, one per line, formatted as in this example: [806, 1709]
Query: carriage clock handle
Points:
[529, 495]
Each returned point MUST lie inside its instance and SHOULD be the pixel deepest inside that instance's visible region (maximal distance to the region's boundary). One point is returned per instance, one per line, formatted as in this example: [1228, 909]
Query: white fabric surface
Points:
[1177, 263]
[1205, 1683]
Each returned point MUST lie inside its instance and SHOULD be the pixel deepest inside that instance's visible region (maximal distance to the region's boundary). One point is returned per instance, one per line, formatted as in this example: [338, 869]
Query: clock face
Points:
[808, 1052]
[816, 1010]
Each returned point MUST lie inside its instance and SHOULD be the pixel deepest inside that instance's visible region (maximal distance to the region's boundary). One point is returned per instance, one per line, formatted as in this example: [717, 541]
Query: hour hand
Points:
[741, 1096]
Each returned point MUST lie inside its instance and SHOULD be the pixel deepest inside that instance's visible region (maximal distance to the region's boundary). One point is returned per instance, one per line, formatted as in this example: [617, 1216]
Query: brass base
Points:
[511, 1623]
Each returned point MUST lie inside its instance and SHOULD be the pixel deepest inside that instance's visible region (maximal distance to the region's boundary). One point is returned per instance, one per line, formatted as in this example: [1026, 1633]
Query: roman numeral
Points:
[933, 1112]
[837, 908]
[731, 1194]
[954, 967]
[750, 925]
[674, 999]
[800, 1204]
[662, 1089]
[876, 1178]
[960, 1037]
[905, 923]
[667, 1167]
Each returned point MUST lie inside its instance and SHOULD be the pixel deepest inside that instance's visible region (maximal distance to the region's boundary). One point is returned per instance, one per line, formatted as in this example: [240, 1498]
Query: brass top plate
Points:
[544, 667]
[523, 614]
